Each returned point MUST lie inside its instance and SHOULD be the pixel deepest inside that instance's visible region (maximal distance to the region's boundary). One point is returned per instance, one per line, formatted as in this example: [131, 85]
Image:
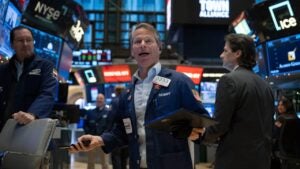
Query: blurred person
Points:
[244, 109]
[27, 83]
[285, 110]
[155, 92]
[96, 122]
[119, 156]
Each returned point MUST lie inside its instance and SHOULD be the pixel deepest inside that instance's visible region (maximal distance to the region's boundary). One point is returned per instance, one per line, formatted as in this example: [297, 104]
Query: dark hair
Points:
[246, 45]
[148, 27]
[287, 104]
[119, 90]
[12, 32]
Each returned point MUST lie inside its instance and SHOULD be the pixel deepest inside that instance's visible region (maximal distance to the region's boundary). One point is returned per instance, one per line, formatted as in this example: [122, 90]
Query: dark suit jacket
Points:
[244, 108]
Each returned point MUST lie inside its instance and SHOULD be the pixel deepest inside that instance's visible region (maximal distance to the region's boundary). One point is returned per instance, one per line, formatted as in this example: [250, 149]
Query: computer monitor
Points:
[261, 64]
[208, 92]
[92, 90]
[109, 90]
[65, 63]
[284, 55]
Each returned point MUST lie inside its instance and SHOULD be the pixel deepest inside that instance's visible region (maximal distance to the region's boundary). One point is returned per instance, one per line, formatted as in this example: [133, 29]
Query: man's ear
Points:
[238, 53]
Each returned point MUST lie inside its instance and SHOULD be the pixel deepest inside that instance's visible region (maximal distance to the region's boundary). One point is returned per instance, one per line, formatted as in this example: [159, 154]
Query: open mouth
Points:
[144, 54]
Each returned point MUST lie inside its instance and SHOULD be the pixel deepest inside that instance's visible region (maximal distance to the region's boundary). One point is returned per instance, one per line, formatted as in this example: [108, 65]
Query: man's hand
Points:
[196, 133]
[23, 117]
[94, 141]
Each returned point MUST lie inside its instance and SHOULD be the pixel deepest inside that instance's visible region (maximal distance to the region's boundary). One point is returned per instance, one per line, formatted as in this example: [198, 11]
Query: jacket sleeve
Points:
[224, 110]
[190, 98]
[116, 136]
[43, 104]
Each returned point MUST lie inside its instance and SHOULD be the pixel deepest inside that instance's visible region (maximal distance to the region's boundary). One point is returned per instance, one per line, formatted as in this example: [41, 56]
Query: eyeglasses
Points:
[23, 40]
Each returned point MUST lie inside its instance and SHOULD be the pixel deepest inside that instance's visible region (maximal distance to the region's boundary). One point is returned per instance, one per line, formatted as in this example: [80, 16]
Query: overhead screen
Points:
[241, 24]
[91, 57]
[195, 73]
[64, 18]
[65, 63]
[207, 11]
[10, 18]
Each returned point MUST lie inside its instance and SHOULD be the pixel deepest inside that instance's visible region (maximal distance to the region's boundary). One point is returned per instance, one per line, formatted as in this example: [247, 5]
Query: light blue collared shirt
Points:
[141, 95]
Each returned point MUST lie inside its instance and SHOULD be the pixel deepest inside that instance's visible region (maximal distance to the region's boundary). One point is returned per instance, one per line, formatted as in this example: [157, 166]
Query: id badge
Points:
[127, 125]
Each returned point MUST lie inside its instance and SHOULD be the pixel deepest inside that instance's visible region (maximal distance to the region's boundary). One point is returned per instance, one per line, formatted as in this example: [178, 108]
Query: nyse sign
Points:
[47, 11]
[214, 8]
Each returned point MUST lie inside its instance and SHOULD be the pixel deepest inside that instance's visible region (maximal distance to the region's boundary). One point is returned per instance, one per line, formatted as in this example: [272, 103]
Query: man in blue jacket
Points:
[155, 92]
[96, 122]
[27, 84]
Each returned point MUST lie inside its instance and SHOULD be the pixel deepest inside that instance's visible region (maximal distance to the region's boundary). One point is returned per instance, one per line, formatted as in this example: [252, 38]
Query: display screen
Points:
[91, 57]
[275, 19]
[241, 25]
[92, 90]
[47, 45]
[12, 18]
[209, 12]
[90, 76]
[63, 18]
[261, 65]
[284, 55]
[116, 73]
[109, 90]
[3, 8]
[21, 4]
[195, 73]
[65, 63]
[210, 108]
[208, 92]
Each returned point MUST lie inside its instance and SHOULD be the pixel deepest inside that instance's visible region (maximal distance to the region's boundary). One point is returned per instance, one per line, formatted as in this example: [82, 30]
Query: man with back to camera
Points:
[96, 123]
[147, 99]
[27, 84]
[244, 108]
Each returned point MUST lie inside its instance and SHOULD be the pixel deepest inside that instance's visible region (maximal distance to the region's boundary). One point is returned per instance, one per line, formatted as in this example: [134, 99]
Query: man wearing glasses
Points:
[27, 84]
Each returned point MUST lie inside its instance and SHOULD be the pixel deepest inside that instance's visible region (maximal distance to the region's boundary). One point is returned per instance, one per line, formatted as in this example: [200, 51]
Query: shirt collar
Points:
[237, 66]
[153, 71]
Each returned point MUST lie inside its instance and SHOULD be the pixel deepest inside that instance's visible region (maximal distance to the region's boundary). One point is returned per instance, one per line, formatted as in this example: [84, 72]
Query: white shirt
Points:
[141, 96]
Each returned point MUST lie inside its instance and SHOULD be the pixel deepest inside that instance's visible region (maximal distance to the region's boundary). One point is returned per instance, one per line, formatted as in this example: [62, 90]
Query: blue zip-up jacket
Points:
[34, 91]
[164, 151]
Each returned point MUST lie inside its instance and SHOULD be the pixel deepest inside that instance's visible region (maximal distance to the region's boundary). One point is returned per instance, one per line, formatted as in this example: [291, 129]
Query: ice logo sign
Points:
[286, 22]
